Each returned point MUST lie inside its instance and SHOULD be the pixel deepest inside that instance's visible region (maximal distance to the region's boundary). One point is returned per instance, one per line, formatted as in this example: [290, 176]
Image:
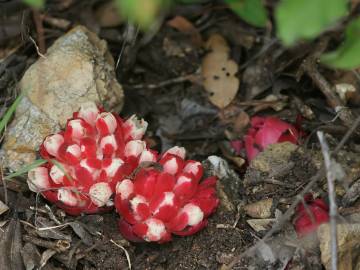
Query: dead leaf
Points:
[3, 208]
[277, 103]
[348, 241]
[31, 256]
[10, 246]
[185, 26]
[219, 72]
[107, 15]
[241, 122]
[259, 225]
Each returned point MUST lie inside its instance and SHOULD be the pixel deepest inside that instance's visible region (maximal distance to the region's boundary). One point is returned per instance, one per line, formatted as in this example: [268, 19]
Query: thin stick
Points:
[184, 78]
[320, 174]
[331, 189]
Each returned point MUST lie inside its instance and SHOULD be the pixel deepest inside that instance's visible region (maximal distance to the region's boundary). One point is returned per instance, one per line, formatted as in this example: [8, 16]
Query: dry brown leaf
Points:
[185, 26]
[277, 103]
[219, 72]
[241, 122]
[107, 15]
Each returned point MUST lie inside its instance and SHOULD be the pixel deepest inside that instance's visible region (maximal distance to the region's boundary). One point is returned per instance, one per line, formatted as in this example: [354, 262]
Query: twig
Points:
[331, 189]
[327, 89]
[320, 174]
[189, 77]
[121, 247]
[4, 185]
[40, 31]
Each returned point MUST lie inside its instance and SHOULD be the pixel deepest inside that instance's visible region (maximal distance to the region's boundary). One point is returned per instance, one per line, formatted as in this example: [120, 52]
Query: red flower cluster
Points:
[85, 162]
[99, 153]
[308, 218]
[265, 131]
[156, 204]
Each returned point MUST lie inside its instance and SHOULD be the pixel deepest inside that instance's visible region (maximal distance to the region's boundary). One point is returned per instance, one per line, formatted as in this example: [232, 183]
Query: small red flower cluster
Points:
[99, 154]
[265, 131]
[308, 218]
[156, 204]
[85, 162]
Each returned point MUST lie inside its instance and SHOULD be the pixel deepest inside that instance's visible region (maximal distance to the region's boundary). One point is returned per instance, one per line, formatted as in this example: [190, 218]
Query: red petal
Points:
[143, 211]
[192, 229]
[124, 209]
[178, 223]
[164, 182]
[127, 231]
[166, 213]
[140, 229]
[251, 149]
[144, 183]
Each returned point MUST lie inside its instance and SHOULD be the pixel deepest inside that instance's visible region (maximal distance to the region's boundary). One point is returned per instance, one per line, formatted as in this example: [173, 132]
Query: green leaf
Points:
[6, 118]
[35, 3]
[141, 12]
[347, 55]
[305, 19]
[26, 168]
[251, 11]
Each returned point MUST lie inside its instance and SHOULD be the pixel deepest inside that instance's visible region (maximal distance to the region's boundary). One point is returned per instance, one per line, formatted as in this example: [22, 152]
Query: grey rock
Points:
[77, 68]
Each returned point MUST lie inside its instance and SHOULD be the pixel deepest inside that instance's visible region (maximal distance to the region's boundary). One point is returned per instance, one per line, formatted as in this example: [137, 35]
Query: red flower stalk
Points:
[265, 131]
[86, 160]
[308, 218]
[156, 204]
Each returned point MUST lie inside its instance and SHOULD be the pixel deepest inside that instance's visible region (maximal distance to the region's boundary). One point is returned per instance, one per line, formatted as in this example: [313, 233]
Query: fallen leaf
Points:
[259, 225]
[3, 208]
[348, 243]
[185, 26]
[10, 246]
[107, 15]
[219, 73]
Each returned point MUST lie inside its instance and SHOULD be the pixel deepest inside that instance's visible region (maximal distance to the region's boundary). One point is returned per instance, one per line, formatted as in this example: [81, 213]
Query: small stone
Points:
[76, 69]
[260, 209]
[275, 155]
[229, 182]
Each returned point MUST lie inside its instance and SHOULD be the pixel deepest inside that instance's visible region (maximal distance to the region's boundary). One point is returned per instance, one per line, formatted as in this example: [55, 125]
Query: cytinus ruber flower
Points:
[157, 203]
[86, 160]
[265, 131]
[308, 218]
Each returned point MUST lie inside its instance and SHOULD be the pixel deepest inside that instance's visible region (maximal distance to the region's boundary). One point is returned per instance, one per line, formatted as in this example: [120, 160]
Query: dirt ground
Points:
[159, 73]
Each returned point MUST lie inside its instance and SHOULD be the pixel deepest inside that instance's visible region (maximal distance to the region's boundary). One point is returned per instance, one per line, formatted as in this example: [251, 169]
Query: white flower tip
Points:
[194, 213]
[192, 167]
[147, 156]
[134, 148]
[182, 179]
[100, 193]
[89, 112]
[156, 229]
[171, 166]
[177, 151]
[74, 150]
[67, 197]
[52, 144]
[56, 174]
[125, 188]
[113, 167]
[77, 129]
[38, 179]
[106, 122]
[137, 127]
